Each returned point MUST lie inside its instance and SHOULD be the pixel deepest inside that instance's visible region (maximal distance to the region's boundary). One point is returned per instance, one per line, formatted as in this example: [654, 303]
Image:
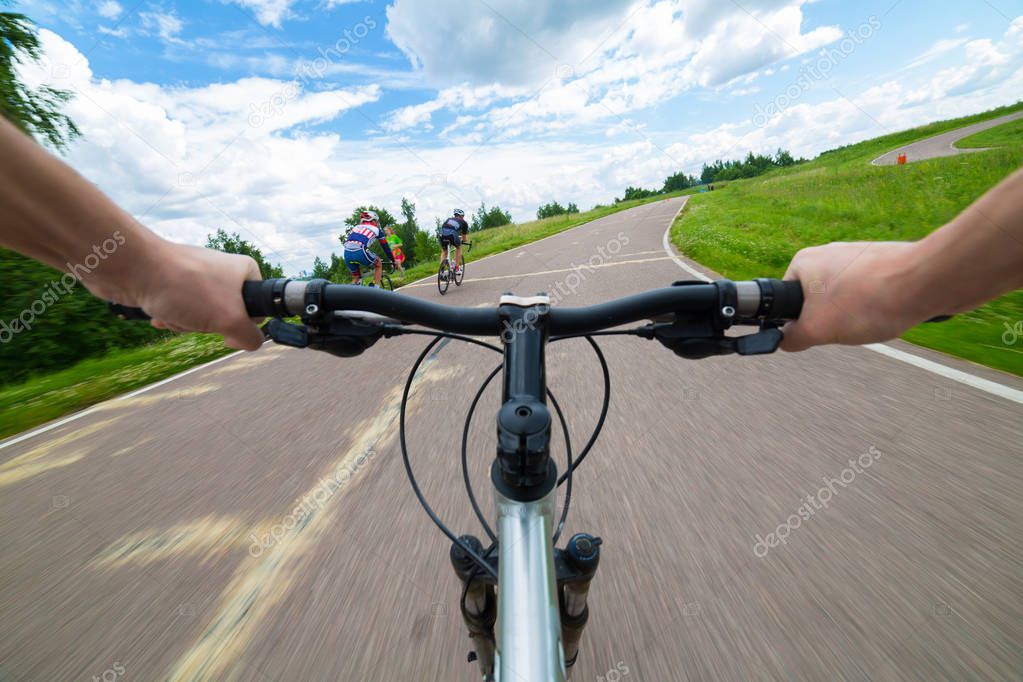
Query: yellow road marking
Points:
[265, 576]
[142, 400]
[131, 448]
[43, 458]
[206, 537]
[242, 364]
[576, 268]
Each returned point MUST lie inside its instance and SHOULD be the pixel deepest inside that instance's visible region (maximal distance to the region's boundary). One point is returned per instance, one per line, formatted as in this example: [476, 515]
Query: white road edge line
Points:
[89, 410]
[671, 252]
[986, 385]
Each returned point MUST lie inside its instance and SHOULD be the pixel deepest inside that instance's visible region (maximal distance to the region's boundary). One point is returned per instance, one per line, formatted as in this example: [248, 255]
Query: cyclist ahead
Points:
[358, 243]
[453, 232]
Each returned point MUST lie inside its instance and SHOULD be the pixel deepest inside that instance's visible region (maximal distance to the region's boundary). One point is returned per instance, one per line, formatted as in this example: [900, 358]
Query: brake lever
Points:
[694, 340]
[285, 333]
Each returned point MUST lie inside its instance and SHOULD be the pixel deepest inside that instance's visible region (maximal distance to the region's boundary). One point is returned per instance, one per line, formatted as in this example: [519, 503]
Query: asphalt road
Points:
[943, 144]
[192, 532]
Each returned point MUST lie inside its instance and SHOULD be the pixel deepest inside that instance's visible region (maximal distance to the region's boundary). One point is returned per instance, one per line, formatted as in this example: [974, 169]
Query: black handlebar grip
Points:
[252, 294]
[265, 298]
[780, 299]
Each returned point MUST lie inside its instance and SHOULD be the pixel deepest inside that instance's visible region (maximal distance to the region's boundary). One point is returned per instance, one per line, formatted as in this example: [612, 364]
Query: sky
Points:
[276, 118]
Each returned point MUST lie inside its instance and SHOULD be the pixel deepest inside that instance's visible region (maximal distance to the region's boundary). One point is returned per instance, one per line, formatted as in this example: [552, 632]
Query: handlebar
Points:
[763, 299]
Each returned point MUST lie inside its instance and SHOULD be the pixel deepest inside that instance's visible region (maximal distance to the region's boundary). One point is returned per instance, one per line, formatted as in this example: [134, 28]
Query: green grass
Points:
[40, 399]
[752, 228]
[1006, 135]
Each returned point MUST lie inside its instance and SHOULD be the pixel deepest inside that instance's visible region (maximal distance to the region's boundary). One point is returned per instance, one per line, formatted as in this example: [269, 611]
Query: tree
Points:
[233, 243]
[783, 158]
[636, 193]
[555, 209]
[407, 231]
[320, 269]
[679, 181]
[484, 219]
[550, 210]
[37, 112]
[426, 245]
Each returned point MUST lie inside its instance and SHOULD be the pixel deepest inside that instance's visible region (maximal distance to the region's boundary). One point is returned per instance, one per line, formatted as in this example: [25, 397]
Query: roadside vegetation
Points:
[754, 227]
[51, 395]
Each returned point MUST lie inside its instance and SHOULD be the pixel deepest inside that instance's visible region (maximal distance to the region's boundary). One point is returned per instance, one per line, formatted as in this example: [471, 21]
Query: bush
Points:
[555, 209]
[45, 326]
[427, 247]
[484, 219]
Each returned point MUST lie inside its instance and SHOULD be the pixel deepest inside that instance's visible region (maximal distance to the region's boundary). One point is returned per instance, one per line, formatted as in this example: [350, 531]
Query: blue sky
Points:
[274, 118]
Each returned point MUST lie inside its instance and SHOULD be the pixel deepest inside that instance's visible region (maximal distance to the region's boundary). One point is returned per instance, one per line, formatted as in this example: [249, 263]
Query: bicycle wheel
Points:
[443, 278]
[459, 276]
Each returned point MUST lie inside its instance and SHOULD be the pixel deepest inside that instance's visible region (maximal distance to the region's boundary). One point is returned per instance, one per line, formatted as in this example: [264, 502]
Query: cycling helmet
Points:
[369, 217]
[460, 213]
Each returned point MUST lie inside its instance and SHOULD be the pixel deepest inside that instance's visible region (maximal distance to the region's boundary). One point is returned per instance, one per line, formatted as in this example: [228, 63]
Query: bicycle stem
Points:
[523, 470]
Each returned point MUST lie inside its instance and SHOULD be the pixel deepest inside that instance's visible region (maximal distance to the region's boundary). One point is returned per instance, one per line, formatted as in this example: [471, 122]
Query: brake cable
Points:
[571, 465]
[478, 560]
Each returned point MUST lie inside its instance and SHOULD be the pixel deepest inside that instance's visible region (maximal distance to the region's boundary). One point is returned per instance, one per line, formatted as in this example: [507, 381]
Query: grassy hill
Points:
[754, 227]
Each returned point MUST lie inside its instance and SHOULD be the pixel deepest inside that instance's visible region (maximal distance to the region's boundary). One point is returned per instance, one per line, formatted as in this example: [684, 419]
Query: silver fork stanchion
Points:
[479, 609]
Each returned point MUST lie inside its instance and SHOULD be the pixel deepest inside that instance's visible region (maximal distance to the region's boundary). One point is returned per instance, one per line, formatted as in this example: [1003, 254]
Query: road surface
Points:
[943, 144]
[192, 532]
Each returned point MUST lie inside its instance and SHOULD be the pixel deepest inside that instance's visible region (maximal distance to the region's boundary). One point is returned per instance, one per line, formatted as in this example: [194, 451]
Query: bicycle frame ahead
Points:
[528, 621]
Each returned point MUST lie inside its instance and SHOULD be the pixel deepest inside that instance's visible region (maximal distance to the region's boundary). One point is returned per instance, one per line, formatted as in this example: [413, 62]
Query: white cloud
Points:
[109, 9]
[458, 98]
[514, 43]
[599, 63]
[166, 25]
[268, 12]
[120, 32]
[936, 50]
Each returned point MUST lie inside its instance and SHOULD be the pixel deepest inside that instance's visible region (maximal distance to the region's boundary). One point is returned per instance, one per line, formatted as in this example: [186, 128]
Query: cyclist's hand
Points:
[187, 288]
[852, 294]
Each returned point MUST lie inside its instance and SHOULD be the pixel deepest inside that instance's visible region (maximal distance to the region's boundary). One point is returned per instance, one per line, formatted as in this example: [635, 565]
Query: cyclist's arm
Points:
[865, 292]
[52, 214]
[387, 249]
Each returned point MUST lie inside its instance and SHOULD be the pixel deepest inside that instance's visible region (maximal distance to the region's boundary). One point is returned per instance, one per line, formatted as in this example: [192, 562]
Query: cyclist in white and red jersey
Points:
[357, 244]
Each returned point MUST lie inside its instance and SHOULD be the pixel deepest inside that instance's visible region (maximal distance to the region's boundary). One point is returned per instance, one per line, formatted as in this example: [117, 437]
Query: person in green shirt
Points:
[394, 241]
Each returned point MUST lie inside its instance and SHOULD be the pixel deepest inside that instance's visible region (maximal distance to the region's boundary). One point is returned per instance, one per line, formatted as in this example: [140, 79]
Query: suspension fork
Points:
[574, 566]
[541, 601]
